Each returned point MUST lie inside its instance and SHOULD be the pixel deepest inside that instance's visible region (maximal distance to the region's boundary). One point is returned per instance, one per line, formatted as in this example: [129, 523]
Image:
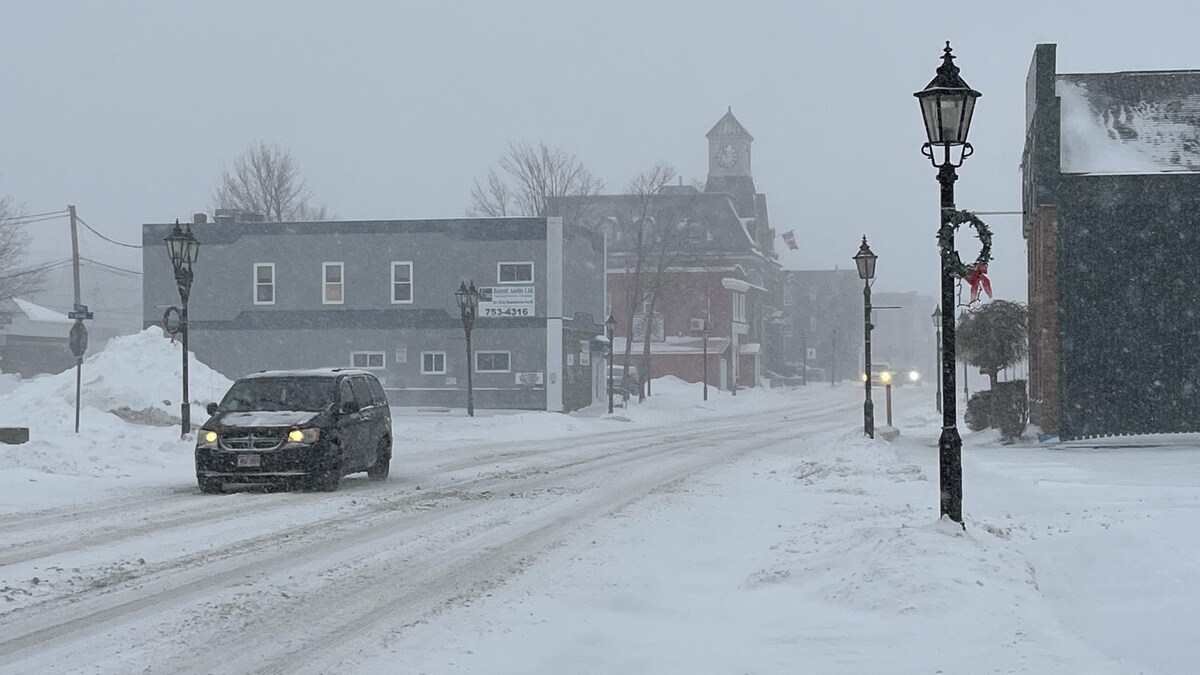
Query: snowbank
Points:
[139, 373]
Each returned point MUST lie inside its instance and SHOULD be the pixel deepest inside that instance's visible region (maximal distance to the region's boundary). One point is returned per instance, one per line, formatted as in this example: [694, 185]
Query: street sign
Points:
[78, 340]
[80, 312]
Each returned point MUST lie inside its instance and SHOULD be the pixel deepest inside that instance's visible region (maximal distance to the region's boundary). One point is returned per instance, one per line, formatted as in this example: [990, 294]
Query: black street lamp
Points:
[611, 325]
[947, 105]
[937, 340]
[183, 248]
[865, 260]
[468, 305]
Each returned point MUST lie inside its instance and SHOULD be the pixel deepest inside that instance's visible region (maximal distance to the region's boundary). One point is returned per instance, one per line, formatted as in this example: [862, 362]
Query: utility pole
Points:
[78, 337]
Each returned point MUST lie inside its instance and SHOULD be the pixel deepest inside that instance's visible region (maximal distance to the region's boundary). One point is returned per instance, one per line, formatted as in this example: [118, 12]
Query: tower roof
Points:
[729, 126]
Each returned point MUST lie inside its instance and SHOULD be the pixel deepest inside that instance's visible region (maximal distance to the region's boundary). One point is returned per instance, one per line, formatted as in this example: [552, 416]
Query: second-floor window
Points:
[264, 283]
[402, 283]
[739, 307]
[433, 363]
[515, 273]
[334, 283]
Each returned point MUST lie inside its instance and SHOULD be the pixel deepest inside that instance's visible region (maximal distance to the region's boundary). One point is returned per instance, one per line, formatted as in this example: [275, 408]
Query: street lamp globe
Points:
[937, 317]
[947, 104]
[182, 247]
[865, 260]
[468, 298]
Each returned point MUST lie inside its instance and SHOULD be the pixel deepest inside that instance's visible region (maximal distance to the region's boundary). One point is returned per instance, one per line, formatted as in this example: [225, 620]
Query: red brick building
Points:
[681, 259]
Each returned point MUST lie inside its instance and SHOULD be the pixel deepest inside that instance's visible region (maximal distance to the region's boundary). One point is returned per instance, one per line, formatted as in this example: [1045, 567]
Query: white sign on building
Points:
[506, 301]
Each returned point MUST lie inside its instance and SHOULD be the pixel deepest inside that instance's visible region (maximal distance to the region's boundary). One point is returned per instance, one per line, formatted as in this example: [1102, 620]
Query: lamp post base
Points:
[950, 454]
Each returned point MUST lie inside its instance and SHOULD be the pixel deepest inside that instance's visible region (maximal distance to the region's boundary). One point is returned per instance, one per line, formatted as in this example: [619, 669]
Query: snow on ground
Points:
[820, 554]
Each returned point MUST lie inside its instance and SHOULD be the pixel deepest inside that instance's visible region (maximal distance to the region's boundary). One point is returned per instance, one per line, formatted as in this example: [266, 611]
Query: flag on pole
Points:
[789, 238]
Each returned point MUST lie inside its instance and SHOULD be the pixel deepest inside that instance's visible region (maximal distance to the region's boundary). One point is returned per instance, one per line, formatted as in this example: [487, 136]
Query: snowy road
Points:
[166, 580]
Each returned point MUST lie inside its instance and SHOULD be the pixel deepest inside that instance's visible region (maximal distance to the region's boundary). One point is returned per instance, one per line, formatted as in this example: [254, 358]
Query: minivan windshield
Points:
[280, 393]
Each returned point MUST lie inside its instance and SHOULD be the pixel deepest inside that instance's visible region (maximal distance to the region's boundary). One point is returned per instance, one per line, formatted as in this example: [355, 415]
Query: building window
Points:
[264, 283]
[515, 273]
[433, 363]
[402, 283]
[334, 283]
[492, 362]
[739, 307]
[367, 360]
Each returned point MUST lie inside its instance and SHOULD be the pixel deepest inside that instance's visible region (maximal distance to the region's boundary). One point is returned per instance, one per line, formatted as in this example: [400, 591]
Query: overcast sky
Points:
[130, 110]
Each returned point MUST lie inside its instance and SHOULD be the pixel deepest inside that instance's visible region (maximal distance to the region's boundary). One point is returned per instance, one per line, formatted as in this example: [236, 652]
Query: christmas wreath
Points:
[974, 274]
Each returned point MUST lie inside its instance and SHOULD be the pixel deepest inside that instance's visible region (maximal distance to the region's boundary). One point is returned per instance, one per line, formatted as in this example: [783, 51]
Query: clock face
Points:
[727, 156]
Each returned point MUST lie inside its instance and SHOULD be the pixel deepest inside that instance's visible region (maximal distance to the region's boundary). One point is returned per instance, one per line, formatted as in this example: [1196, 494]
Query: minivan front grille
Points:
[252, 439]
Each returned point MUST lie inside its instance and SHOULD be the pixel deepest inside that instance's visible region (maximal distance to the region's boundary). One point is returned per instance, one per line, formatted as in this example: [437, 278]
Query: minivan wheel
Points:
[211, 486]
[383, 462]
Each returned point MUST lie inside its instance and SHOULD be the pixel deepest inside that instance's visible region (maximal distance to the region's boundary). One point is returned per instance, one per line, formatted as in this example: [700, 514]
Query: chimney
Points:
[200, 218]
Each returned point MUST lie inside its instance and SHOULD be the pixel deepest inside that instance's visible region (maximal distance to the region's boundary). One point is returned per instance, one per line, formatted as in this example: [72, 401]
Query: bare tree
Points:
[652, 231]
[15, 281]
[266, 180]
[529, 178]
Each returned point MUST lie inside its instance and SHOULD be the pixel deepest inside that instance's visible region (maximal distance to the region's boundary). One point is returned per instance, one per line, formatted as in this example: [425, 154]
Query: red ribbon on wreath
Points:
[977, 277]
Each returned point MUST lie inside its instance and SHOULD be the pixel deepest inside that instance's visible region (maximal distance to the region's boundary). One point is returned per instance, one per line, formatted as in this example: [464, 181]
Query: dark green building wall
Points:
[1128, 304]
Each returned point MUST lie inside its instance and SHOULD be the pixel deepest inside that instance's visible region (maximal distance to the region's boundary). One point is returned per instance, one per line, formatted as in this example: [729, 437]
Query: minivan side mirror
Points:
[211, 408]
[349, 407]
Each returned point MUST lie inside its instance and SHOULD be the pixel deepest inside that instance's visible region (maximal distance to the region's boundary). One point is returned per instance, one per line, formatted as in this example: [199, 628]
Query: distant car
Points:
[881, 374]
[908, 376]
[625, 383]
[306, 428]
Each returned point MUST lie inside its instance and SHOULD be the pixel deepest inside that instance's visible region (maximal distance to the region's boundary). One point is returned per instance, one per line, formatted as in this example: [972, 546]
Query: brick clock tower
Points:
[729, 162]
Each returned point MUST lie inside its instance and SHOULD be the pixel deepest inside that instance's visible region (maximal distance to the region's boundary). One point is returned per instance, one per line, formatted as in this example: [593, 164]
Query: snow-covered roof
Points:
[35, 312]
[1137, 122]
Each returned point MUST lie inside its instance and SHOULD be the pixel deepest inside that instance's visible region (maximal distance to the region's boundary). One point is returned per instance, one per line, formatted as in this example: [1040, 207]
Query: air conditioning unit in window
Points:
[698, 325]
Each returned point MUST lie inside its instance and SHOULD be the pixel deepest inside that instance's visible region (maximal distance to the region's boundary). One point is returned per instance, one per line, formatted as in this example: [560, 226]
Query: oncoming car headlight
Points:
[913, 376]
[306, 436]
[885, 377]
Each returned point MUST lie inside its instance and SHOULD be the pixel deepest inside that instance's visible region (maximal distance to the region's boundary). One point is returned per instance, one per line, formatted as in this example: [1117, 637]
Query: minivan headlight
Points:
[306, 436]
[205, 438]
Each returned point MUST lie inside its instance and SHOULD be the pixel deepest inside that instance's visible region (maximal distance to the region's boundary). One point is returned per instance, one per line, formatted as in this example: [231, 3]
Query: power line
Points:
[35, 270]
[111, 241]
[18, 220]
[111, 267]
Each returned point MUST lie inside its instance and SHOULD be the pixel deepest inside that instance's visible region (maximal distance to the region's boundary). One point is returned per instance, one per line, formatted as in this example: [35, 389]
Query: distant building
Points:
[723, 269]
[33, 339]
[379, 295]
[823, 322]
[112, 293]
[1111, 172]
[904, 334]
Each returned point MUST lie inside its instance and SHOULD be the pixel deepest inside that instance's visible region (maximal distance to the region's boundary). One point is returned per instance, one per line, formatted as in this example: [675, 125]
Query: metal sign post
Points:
[78, 342]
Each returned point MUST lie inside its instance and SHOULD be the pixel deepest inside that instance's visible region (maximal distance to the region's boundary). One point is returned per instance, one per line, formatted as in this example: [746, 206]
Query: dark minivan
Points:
[305, 428]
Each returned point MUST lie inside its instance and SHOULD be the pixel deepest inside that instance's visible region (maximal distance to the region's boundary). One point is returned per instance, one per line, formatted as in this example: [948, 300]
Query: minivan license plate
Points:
[249, 460]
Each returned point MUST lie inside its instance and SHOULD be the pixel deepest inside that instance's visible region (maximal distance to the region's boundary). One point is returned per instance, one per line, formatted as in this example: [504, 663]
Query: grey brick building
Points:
[380, 295]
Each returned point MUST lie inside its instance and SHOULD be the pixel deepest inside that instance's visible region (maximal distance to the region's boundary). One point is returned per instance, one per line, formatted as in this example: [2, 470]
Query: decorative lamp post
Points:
[865, 260]
[468, 304]
[611, 325]
[183, 248]
[937, 327]
[947, 105]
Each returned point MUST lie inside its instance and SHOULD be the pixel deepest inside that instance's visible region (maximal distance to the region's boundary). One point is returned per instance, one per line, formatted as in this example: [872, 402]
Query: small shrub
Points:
[1010, 409]
[979, 410]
